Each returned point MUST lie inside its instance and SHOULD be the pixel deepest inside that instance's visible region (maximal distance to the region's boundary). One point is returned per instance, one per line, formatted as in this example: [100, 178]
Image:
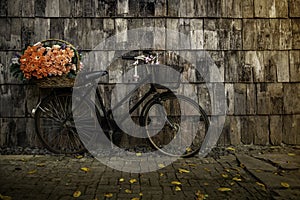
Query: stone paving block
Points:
[255, 164]
[283, 161]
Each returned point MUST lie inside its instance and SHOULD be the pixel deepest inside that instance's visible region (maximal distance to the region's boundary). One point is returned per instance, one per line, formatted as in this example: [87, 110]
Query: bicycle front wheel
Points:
[176, 125]
[55, 124]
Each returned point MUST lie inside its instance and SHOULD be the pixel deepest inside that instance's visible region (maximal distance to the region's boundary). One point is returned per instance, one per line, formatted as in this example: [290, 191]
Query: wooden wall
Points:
[255, 43]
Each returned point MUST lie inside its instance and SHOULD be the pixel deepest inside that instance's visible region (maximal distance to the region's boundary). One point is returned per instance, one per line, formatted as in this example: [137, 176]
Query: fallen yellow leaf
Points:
[161, 165]
[260, 184]
[138, 154]
[128, 191]
[206, 184]
[177, 188]
[285, 185]
[206, 169]
[141, 194]
[227, 170]
[161, 174]
[85, 169]
[121, 179]
[188, 149]
[237, 179]
[76, 194]
[242, 165]
[133, 180]
[41, 164]
[32, 172]
[230, 148]
[291, 154]
[258, 170]
[79, 156]
[224, 189]
[175, 183]
[135, 198]
[5, 197]
[108, 195]
[225, 175]
[232, 183]
[183, 170]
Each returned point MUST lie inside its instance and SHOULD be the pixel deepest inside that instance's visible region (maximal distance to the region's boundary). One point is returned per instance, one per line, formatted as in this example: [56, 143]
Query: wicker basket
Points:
[58, 81]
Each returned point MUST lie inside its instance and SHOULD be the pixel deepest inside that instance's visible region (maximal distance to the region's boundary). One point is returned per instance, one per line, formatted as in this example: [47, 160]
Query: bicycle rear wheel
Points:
[176, 125]
[55, 125]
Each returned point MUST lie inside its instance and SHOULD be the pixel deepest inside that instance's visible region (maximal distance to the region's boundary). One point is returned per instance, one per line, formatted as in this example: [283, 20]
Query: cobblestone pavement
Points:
[272, 174]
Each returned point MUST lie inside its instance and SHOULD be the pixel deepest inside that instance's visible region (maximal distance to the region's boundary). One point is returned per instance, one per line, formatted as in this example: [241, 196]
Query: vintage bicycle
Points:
[167, 117]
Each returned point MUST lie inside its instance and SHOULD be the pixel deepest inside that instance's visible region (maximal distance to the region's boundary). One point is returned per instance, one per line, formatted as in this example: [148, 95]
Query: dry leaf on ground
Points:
[32, 172]
[225, 175]
[76, 194]
[175, 183]
[237, 179]
[108, 195]
[224, 189]
[285, 185]
[177, 188]
[85, 169]
[230, 149]
[161, 165]
[133, 180]
[128, 191]
[3, 197]
[183, 170]
[121, 180]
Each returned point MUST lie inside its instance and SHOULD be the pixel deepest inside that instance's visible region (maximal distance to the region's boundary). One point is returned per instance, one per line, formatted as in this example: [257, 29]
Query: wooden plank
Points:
[211, 37]
[290, 129]
[249, 34]
[229, 92]
[160, 8]
[269, 67]
[295, 66]
[282, 8]
[240, 99]
[263, 100]
[3, 7]
[28, 8]
[57, 27]
[251, 106]
[40, 8]
[275, 93]
[41, 29]
[285, 42]
[261, 136]
[255, 60]
[248, 128]
[200, 8]
[52, 8]
[104, 8]
[14, 8]
[276, 129]
[65, 8]
[262, 8]
[248, 8]
[231, 8]
[291, 98]
[281, 58]
[204, 98]
[294, 8]
[296, 33]
[196, 33]
[271, 8]
[123, 8]
[186, 9]
[173, 10]
[27, 32]
[231, 63]
[213, 8]
[160, 35]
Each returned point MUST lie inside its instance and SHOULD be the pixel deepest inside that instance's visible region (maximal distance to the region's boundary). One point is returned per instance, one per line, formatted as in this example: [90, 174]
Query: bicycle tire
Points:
[162, 132]
[55, 125]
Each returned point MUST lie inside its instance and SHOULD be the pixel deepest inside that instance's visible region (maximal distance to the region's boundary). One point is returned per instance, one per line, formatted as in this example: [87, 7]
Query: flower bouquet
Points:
[50, 63]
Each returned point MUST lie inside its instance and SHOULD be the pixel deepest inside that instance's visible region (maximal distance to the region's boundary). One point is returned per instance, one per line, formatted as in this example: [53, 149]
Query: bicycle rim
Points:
[55, 125]
[176, 125]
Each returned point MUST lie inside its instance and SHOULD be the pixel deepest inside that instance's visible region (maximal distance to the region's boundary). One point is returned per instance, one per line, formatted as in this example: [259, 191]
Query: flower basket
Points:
[51, 63]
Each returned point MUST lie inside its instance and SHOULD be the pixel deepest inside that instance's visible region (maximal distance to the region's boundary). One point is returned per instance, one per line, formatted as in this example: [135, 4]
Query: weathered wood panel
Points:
[291, 129]
[248, 8]
[14, 8]
[251, 105]
[296, 33]
[276, 125]
[261, 136]
[291, 98]
[28, 8]
[295, 66]
[240, 99]
[231, 133]
[294, 8]
[271, 8]
[232, 8]
[248, 129]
